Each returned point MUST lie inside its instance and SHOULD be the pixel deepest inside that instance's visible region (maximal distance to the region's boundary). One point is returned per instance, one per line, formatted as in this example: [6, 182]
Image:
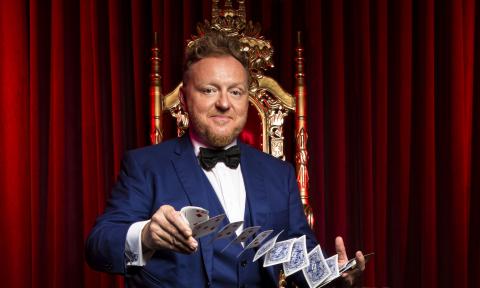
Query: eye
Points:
[208, 90]
[236, 92]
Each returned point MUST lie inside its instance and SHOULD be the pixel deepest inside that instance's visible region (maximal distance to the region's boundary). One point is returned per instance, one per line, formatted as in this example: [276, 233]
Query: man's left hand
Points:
[349, 277]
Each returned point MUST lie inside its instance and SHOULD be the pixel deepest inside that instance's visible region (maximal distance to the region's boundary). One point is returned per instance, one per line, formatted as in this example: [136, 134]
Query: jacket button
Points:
[243, 263]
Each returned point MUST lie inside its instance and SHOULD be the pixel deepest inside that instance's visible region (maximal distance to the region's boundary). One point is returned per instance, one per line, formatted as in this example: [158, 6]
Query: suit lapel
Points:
[252, 174]
[190, 173]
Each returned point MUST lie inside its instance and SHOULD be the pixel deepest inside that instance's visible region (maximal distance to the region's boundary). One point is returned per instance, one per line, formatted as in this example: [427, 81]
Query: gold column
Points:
[301, 135]
[156, 134]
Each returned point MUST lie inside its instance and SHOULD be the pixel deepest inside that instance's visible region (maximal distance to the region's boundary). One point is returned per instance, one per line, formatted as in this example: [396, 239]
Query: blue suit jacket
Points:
[169, 173]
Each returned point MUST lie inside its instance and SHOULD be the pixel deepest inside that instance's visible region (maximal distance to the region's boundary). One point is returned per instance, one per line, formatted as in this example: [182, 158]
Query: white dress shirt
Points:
[230, 189]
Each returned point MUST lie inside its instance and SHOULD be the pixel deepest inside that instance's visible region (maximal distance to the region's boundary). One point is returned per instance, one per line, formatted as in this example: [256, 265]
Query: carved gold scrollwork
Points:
[274, 111]
[156, 136]
[301, 136]
[307, 209]
[301, 160]
[233, 22]
[182, 119]
[275, 131]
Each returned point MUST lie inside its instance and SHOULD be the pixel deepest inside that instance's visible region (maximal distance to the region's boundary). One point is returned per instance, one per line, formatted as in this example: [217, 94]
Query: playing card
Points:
[265, 247]
[347, 265]
[280, 253]
[257, 241]
[228, 230]
[299, 259]
[204, 228]
[244, 235]
[352, 263]
[317, 270]
[332, 263]
[194, 215]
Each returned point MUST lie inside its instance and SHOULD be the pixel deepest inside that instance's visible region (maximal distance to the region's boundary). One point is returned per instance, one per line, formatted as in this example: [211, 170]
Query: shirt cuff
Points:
[133, 245]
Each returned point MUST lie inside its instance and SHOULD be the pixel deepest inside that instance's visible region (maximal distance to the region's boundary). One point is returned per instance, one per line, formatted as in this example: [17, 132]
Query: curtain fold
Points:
[15, 200]
[424, 150]
[394, 126]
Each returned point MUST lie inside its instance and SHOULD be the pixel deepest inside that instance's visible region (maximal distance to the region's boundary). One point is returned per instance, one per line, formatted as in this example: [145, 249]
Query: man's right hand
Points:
[167, 230]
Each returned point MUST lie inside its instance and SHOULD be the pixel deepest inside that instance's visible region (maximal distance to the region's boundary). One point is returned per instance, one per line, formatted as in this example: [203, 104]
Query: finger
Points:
[178, 228]
[181, 247]
[360, 260]
[353, 272]
[168, 241]
[186, 248]
[177, 220]
[340, 248]
[349, 278]
[172, 232]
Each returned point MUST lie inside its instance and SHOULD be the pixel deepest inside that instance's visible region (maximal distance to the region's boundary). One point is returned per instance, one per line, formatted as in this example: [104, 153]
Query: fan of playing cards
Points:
[292, 253]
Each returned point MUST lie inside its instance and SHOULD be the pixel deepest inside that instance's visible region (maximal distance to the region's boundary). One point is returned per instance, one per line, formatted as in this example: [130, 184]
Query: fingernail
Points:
[194, 244]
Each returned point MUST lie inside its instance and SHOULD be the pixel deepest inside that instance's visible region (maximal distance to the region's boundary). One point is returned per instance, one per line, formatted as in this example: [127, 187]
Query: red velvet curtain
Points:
[394, 126]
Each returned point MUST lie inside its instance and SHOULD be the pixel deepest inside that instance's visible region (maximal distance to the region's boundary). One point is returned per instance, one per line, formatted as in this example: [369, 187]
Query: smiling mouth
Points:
[221, 116]
[221, 119]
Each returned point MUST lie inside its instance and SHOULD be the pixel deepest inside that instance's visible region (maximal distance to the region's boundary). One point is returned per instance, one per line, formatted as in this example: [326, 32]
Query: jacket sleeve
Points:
[130, 202]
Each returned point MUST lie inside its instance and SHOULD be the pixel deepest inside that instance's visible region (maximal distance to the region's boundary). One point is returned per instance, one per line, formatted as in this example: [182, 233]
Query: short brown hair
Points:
[214, 44]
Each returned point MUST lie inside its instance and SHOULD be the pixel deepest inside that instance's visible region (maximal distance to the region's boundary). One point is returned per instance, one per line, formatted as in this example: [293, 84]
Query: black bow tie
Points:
[209, 157]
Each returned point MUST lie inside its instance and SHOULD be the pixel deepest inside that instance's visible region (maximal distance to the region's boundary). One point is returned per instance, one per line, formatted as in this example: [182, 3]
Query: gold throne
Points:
[271, 102]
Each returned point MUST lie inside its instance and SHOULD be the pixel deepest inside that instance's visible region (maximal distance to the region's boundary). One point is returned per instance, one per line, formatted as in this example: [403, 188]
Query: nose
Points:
[223, 102]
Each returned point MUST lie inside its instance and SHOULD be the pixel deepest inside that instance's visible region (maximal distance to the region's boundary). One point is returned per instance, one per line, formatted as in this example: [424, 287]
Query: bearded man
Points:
[142, 234]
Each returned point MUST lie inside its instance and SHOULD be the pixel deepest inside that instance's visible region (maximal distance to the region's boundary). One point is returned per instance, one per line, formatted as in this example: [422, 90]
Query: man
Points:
[143, 236]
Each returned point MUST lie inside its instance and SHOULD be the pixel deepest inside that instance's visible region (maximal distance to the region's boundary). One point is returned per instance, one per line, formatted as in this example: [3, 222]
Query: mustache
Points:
[218, 112]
